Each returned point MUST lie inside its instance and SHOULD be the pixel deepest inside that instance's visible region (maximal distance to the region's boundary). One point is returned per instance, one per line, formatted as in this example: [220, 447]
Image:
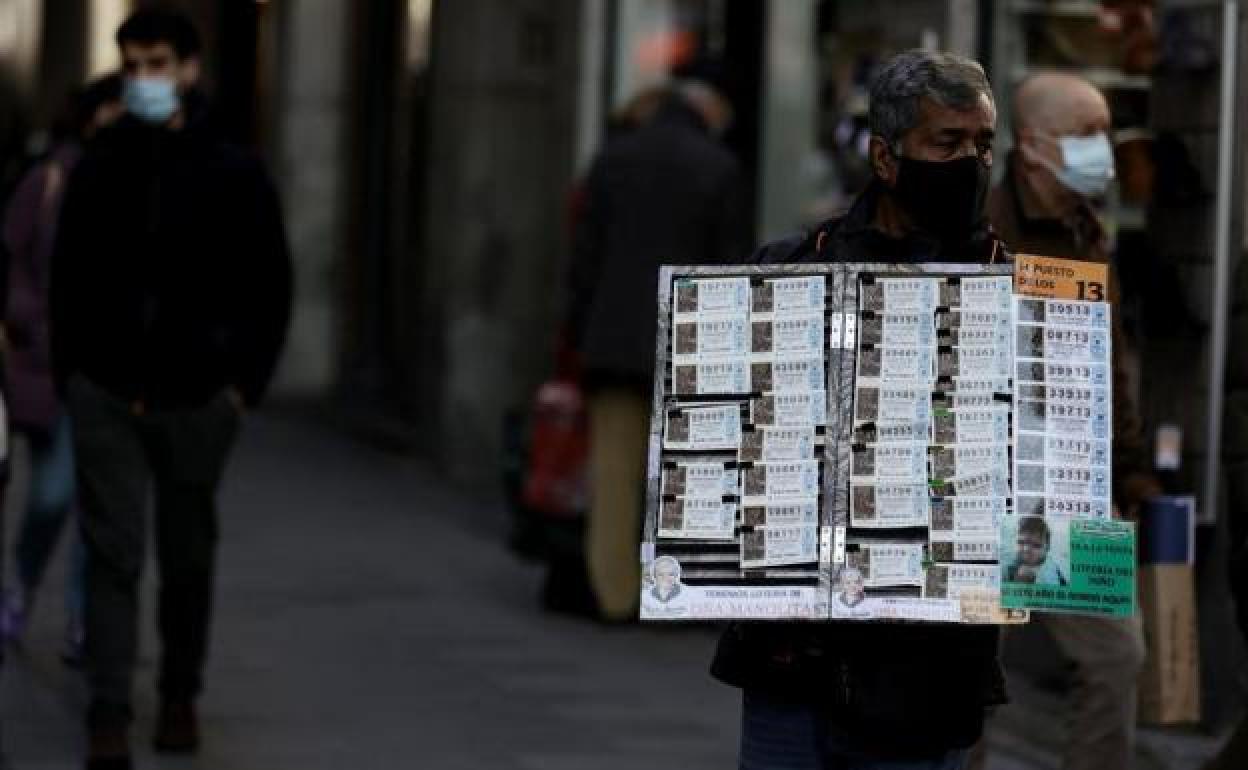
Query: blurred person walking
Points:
[34, 410]
[170, 300]
[897, 696]
[1061, 166]
[665, 193]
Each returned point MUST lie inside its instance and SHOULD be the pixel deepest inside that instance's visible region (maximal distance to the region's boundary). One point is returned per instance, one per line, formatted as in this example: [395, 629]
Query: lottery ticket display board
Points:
[837, 442]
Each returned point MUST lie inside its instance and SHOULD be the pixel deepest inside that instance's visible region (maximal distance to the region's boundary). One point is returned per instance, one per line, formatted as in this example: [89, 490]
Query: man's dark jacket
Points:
[171, 279]
[663, 194]
[903, 690]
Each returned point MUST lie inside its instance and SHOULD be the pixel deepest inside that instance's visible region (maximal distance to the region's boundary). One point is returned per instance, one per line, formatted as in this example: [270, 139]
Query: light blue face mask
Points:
[152, 99]
[1087, 164]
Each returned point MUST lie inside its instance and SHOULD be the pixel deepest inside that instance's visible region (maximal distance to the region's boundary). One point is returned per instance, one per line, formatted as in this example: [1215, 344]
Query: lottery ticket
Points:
[717, 337]
[971, 426]
[977, 336]
[890, 463]
[1067, 345]
[1062, 312]
[949, 320]
[1061, 480]
[950, 581]
[788, 375]
[968, 459]
[790, 296]
[900, 295]
[981, 362]
[896, 364]
[977, 293]
[777, 445]
[989, 483]
[888, 564]
[778, 546]
[1060, 450]
[1067, 419]
[803, 513]
[1068, 507]
[913, 432]
[698, 518]
[707, 296]
[788, 336]
[790, 410]
[889, 505]
[893, 404]
[703, 428]
[781, 481]
[897, 330]
[711, 377]
[1058, 373]
[698, 479]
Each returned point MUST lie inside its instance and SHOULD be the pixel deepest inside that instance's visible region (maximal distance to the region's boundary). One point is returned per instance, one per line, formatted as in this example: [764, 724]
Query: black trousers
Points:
[123, 454]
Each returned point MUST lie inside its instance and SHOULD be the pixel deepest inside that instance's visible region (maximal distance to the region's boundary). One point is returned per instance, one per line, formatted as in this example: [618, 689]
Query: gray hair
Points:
[946, 78]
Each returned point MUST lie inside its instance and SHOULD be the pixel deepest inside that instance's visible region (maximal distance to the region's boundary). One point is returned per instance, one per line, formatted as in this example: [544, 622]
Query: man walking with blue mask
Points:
[1048, 203]
[170, 298]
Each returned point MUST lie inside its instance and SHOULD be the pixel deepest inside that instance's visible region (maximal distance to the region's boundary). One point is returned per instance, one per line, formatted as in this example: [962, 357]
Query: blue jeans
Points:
[48, 506]
[776, 735]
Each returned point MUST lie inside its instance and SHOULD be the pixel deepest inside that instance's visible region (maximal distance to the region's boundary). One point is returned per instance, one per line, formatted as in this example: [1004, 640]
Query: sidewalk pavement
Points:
[368, 616]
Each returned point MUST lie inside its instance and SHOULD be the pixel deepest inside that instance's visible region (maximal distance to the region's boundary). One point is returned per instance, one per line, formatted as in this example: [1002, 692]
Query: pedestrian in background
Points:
[34, 410]
[864, 695]
[170, 300]
[665, 193]
[1058, 172]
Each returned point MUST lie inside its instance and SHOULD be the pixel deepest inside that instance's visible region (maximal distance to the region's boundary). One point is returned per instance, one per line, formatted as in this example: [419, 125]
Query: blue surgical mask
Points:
[1087, 164]
[151, 98]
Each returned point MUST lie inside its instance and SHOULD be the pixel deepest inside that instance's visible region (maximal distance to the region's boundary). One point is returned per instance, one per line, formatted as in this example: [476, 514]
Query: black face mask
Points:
[944, 198]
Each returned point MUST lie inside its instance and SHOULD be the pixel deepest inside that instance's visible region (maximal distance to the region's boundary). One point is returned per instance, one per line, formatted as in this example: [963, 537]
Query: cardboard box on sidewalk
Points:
[1170, 681]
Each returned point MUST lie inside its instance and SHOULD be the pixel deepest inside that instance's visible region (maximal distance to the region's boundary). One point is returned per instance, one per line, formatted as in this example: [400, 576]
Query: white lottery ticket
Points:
[711, 377]
[973, 319]
[893, 404]
[788, 336]
[971, 426]
[980, 385]
[727, 296]
[1057, 373]
[901, 295]
[890, 463]
[1060, 450]
[1064, 313]
[889, 505]
[1069, 420]
[974, 362]
[1070, 507]
[913, 432]
[889, 564]
[706, 480]
[788, 375]
[967, 517]
[991, 483]
[703, 428]
[1065, 345]
[721, 337]
[978, 293]
[1061, 480]
[791, 296]
[781, 481]
[791, 410]
[897, 364]
[778, 546]
[804, 513]
[697, 518]
[777, 445]
[978, 336]
[912, 330]
[949, 581]
[968, 459]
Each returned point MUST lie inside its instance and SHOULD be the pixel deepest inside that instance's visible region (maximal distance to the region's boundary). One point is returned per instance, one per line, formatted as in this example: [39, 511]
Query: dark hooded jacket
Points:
[666, 193]
[895, 690]
[171, 279]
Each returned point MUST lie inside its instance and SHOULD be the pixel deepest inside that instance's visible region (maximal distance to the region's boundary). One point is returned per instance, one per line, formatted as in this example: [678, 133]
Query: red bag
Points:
[556, 482]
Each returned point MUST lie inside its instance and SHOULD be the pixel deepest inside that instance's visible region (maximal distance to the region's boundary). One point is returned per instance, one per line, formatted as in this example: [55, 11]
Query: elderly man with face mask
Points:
[170, 296]
[1061, 166]
[905, 697]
